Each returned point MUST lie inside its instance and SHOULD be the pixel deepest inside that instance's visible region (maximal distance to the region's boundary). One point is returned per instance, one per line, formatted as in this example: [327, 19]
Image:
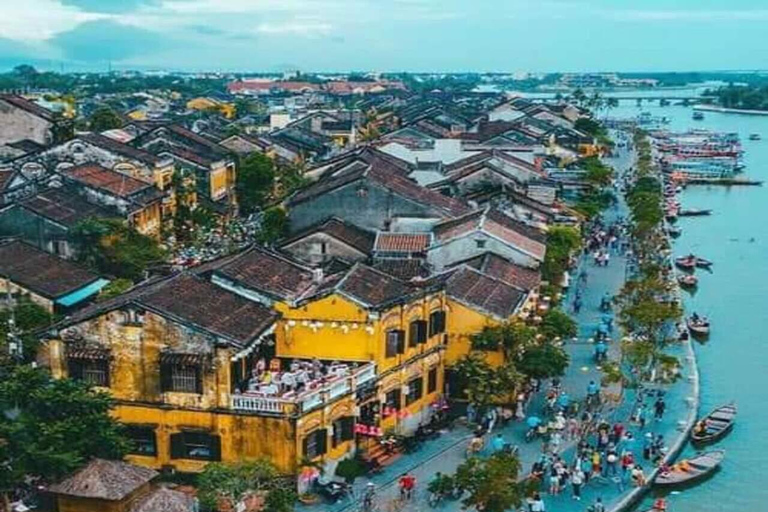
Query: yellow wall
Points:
[149, 220]
[222, 179]
[74, 504]
[17, 289]
[462, 323]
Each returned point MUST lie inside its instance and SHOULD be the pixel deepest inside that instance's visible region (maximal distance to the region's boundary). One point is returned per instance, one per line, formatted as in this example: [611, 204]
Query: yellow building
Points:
[204, 103]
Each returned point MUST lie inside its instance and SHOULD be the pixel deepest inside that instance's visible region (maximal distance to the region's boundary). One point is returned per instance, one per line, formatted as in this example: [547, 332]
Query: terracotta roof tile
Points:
[29, 106]
[106, 179]
[402, 242]
[476, 290]
[121, 149]
[64, 206]
[109, 480]
[41, 272]
[372, 287]
[502, 269]
[355, 237]
[163, 499]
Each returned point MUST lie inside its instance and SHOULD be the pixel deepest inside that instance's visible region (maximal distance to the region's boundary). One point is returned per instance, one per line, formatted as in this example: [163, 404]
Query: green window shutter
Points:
[215, 448]
[177, 446]
[322, 441]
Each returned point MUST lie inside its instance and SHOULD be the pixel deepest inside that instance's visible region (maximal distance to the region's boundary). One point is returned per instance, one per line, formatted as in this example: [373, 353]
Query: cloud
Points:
[40, 20]
[306, 28]
[107, 40]
[110, 6]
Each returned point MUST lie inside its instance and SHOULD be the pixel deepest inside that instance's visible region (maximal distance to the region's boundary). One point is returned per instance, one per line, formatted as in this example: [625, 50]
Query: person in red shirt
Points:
[407, 484]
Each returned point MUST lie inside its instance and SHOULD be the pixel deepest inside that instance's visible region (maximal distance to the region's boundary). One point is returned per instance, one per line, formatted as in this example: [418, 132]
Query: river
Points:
[734, 362]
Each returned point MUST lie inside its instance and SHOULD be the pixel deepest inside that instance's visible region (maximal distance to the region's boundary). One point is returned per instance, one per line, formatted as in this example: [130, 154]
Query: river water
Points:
[734, 362]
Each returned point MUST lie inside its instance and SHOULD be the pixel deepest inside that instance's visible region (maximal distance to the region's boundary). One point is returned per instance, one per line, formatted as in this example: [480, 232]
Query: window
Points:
[181, 378]
[143, 440]
[195, 445]
[480, 244]
[91, 371]
[395, 342]
[323, 248]
[432, 380]
[415, 390]
[343, 430]
[316, 443]
[417, 333]
[392, 399]
[436, 323]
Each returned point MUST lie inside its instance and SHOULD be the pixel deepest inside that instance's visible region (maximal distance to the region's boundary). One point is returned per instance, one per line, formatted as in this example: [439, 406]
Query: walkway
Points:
[448, 451]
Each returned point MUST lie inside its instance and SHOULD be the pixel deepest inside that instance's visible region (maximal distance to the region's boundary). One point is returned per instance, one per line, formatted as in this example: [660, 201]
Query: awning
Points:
[83, 293]
[181, 358]
[90, 353]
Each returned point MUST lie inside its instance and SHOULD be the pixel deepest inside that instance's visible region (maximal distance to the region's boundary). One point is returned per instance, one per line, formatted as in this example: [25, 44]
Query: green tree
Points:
[543, 361]
[255, 182]
[492, 484]
[274, 225]
[104, 118]
[114, 288]
[557, 324]
[112, 248]
[511, 337]
[234, 481]
[29, 318]
[562, 241]
[51, 427]
[482, 383]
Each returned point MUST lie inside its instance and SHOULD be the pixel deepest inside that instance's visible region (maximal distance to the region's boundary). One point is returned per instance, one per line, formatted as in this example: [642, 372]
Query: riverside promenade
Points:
[447, 452]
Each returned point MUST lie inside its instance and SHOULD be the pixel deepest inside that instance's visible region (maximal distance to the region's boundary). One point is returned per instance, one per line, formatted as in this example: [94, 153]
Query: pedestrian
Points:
[598, 505]
[596, 463]
[577, 480]
[407, 484]
[554, 481]
[537, 504]
[658, 408]
[611, 461]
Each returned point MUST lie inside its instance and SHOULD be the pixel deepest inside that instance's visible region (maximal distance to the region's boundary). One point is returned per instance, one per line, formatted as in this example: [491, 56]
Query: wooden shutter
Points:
[199, 379]
[400, 341]
[347, 428]
[432, 381]
[165, 378]
[322, 441]
[178, 447]
[305, 447]
[422, 330]
[215, 448]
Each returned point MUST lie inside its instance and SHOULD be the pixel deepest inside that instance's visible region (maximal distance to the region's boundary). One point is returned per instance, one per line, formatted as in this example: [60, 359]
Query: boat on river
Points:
[702, 263]
[698, 116]
[688, 281]
[698, 325]
[714, 425]
[690, 470]
[674, 231]
[694, 212]
[686, 262]
[754, 136]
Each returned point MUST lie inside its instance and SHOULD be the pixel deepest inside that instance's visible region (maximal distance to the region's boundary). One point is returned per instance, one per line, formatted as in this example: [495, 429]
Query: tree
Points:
[274, 225]
[112, 248]
[543, 361]
[562, 241]
[104, 118]
[255, 182]
[511, 337]
[234, 481]
[114, 288]
[481, 382]
[29, 318]
[51, 427]
[492, 484]
[557, 324]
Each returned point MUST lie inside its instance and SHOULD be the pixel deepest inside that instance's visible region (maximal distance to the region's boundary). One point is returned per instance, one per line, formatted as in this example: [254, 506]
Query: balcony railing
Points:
[309, 399]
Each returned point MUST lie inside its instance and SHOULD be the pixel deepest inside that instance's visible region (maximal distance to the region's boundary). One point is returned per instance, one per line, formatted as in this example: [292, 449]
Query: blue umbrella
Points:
[533, 421]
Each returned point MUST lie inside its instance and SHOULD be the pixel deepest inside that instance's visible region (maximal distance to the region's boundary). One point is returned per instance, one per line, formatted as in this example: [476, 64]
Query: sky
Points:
[386, 35]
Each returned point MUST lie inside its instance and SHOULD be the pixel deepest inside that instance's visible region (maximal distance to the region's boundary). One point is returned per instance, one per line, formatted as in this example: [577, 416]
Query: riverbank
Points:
[723, 110]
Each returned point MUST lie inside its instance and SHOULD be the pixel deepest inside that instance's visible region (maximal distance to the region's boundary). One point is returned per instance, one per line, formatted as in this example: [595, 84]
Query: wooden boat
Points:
[697, 467]
[698, 326]
[688, 281]
[686, 262]
[754, 136]
[715, 425]
[698, 116]
[702, 263]
[674, 231]
[694, 213]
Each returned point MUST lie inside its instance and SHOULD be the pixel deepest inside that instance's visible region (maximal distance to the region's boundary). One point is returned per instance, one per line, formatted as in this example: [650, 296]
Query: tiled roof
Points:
[502, 269]
[120, 148]
[110, 480]
[498, 224]
[111, 181]
[163, 499]
[64, 206]
[355, 237]
[268, 272]
[372, 287]
[5, 177]
[40, 272]
[214, 309]
[402, 242]
[28, 106]
[403, 269]
[27, 146]
[477, 290]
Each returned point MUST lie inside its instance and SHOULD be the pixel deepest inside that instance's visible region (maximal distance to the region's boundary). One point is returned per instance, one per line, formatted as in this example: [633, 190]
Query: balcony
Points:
[319, 393]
